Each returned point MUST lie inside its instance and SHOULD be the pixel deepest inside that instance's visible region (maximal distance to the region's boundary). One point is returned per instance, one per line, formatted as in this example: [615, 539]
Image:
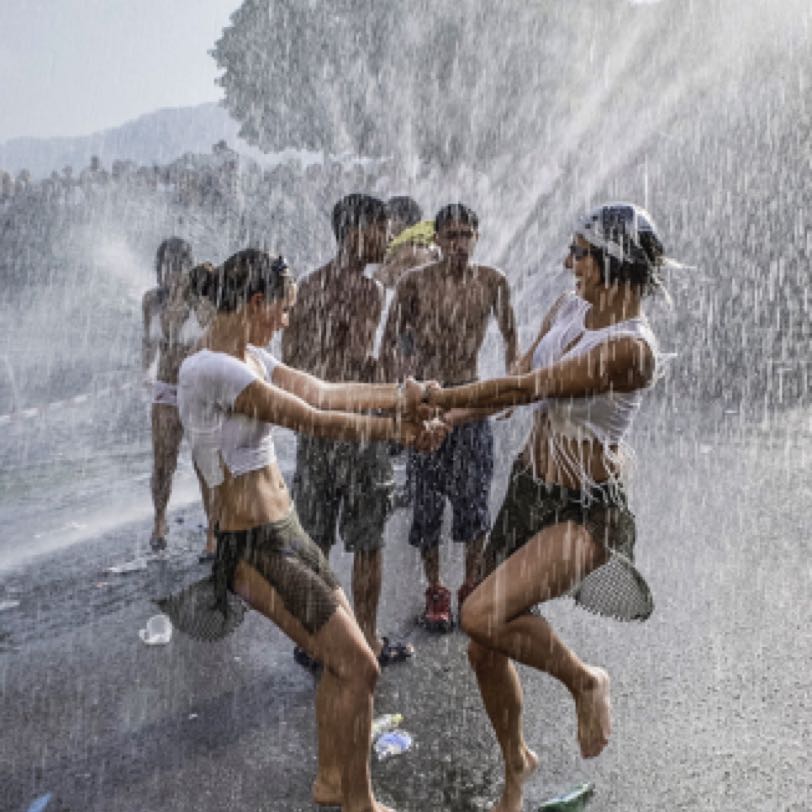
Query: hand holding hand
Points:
[424, 435]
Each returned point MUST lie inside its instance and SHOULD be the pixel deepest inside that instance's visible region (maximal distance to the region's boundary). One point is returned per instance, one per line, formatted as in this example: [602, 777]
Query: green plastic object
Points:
[573, 800]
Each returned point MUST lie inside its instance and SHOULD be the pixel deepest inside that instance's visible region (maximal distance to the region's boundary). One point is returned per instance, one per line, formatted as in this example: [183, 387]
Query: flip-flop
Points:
[206, 558]
[394, 652]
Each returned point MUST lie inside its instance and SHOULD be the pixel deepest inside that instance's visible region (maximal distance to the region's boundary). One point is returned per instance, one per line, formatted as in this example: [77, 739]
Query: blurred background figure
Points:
[174, 319]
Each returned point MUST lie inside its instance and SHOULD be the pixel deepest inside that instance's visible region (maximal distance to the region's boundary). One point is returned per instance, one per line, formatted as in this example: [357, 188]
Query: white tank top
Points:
[605, 419]
[208, 384]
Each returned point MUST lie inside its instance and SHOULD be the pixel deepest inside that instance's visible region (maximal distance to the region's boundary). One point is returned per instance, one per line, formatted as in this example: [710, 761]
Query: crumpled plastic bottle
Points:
[385, 723]
[392, 743]
[573, 800]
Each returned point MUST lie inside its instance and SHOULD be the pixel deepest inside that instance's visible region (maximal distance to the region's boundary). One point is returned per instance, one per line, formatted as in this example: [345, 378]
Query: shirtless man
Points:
[174, 318]
[343, 485]
[435, 329]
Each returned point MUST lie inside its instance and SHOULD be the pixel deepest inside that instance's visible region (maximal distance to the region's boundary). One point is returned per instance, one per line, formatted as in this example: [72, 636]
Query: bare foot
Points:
[327, 792]
[594, 712]
[513, 793]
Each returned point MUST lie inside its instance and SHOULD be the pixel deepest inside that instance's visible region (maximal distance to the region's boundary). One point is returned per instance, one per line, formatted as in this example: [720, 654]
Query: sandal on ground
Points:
[306, 661]
[206, 558]
[394, 652]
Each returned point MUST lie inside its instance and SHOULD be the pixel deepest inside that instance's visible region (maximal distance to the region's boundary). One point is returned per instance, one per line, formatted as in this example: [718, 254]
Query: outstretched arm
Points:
[348, 397]
[272, 404]
[506, 319]
[621, 365]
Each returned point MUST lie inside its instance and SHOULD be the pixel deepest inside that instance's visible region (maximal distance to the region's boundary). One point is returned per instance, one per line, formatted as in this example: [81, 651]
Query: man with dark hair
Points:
[341, 485]
[435, 330]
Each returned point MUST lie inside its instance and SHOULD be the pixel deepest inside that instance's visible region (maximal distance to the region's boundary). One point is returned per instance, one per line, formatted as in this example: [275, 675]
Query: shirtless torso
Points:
[438, 319]
[333, 324]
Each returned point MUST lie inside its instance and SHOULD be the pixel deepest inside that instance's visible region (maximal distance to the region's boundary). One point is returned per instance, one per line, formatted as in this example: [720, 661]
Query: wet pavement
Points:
[712, 696]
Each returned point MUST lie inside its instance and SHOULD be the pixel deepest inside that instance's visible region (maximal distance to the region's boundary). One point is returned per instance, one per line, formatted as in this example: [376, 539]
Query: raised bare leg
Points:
[502, 696]
[495, 616]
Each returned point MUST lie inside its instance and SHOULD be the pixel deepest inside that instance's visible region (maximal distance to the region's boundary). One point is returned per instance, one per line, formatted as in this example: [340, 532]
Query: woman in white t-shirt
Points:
[564, 527]
[230, 394]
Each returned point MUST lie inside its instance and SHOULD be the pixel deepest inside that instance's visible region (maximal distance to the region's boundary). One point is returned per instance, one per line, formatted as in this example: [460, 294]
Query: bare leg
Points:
[367, 568]
[166, 436]
[431, 565]
[495, 617]
[502, 696]
[473, 561]
[344, 724]
[209, 507]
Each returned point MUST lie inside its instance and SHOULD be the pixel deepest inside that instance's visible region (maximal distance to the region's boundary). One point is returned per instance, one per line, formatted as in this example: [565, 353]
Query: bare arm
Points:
[506, 319]
[269, 403]
[346, 397]
[149, 345]
[622, 365]
[393, 355]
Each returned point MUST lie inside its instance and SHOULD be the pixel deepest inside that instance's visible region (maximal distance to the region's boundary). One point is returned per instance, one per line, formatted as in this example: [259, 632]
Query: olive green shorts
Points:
[289, 561]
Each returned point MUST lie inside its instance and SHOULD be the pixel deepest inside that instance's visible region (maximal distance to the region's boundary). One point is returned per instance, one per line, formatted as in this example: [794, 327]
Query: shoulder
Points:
[269, 361]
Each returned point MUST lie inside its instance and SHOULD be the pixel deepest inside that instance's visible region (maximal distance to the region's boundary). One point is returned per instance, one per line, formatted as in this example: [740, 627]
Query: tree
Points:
[428, 78]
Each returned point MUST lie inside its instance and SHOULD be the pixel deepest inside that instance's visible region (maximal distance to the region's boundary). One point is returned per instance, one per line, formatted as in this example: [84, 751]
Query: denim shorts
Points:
[460, 471]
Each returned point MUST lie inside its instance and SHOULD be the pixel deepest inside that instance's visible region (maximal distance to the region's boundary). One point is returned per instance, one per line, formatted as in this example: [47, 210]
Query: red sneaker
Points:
[437, 616]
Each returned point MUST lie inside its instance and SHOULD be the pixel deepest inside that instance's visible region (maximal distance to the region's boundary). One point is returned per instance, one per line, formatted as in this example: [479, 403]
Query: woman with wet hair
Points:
[564, 527]
[174, 319]
[231, 394]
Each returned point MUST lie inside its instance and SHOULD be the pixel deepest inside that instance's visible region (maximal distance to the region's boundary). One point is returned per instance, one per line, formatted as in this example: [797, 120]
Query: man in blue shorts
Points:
[435, 328]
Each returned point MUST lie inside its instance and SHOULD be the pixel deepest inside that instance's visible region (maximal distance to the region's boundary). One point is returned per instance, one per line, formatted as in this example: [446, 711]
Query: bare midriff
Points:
[253, 499]
[537, 454]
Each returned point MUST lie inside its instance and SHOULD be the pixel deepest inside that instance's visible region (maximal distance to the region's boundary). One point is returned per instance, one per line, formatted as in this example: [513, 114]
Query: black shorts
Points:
[461, 469]
[287, 558]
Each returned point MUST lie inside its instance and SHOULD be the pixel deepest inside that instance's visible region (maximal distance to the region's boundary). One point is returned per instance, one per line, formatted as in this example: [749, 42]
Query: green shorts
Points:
[346, 487]
[288, 560]
[616, 588]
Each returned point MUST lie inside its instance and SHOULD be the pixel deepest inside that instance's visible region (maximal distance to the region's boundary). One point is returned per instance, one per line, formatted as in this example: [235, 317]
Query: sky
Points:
[72, 67]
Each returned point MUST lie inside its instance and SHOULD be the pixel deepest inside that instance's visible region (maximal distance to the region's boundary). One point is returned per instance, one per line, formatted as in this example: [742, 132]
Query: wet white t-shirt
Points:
[208, 384]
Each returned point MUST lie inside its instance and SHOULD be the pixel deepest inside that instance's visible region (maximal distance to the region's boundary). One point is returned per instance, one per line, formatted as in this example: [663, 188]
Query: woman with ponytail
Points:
[231, 394]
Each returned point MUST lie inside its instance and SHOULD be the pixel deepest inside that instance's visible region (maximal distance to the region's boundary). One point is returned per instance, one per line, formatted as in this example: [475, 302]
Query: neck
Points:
[613, 305]
[229, 334]
[348, 260]
[455, 267]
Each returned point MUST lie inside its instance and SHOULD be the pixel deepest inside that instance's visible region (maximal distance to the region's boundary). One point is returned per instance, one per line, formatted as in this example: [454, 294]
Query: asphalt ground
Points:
[712, 696]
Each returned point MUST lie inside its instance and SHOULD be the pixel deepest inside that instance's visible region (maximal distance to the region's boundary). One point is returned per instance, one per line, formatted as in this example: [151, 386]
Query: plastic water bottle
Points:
[392, 743]
[573, 800]
[385, 723]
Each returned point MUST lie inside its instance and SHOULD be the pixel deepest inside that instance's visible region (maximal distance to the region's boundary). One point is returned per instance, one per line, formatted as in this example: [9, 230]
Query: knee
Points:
[360, 669]
[478, 655]
[368, 671]
[478, 620]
